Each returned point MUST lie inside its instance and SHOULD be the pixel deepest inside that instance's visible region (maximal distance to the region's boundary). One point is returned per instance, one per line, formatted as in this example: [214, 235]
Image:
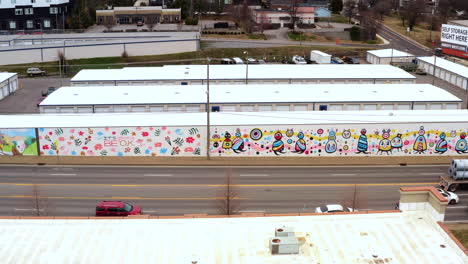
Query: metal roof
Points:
[6, 75]
[233, 72]
[251, 93]
[446, 65]
[233, 119]
[406, 237]
[388, 53]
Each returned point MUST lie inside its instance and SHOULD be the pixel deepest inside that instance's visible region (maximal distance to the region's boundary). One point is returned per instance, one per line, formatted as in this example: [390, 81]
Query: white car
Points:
[451, 197]
[296, 59]
[333, 208]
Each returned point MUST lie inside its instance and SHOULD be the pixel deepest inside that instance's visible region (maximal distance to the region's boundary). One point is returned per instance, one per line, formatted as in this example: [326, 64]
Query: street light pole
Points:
[433, 70]
[208, 109]
[247, 68]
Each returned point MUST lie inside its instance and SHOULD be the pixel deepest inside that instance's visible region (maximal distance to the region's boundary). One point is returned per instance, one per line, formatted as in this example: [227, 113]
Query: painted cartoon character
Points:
[290, 132]
[441, 145]
[385, 144]
[227, 143]
[330, 147]
[453, 133]
[238, 143]
[300, 146]
[346, 133]
[362, 142]
[278, 145]
[397, 143]
[420, 144]
[461, 146]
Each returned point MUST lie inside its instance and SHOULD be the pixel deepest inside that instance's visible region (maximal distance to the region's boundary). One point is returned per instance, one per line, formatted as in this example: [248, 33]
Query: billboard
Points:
[454, 40]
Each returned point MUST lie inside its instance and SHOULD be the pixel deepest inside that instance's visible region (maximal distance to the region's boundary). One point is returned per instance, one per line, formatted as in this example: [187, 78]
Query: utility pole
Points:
[433, 70]
[208, 109]
[247, 67]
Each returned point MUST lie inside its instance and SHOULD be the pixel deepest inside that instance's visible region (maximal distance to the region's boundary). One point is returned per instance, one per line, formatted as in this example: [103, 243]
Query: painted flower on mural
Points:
[81, 133]
[85, 147]
[190, 140]
[188, 149]
[61, 139]
[145, 134]
[158, 144]
[50, 133]
[98, 146]
[45, 147]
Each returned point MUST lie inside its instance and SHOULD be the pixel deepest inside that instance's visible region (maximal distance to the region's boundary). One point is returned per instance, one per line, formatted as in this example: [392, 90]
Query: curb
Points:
[407, 38]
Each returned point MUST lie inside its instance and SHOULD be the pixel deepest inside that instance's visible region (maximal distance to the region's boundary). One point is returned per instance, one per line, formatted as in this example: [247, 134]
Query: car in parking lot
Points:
[117, 208]
[451, 197]
[35, 72]
[296, 59]
[333, 208]
[420, 71]
[336, 60]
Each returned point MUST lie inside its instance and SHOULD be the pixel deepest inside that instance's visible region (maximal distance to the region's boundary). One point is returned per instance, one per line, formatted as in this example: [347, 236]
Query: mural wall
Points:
[115, 141]
[310, 140]
[17, 142]
[350, 140]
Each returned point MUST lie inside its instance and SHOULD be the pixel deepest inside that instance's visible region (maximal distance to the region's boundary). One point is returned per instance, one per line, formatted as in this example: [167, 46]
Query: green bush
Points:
[355, 33]
[191, 21]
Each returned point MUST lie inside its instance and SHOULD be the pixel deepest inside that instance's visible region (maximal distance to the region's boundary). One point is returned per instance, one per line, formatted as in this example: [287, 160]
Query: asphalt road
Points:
[400, 43]
[75, 190]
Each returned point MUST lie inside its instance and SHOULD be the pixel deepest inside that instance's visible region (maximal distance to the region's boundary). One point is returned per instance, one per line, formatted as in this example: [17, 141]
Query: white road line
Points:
[457, 207]
[62, 174]
[248, 211]
[147, 211]
[158, 175]
[254, 175]
[430, 173]
[28, 209]
[344, 174]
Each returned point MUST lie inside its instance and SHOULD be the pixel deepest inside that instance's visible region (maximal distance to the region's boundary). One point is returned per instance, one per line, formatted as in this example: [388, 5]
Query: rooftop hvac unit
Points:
[284, 245]
[284, 231]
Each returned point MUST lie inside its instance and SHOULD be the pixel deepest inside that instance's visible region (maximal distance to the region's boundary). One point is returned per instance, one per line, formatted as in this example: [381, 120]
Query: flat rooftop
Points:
[233, 72]
[388, 53]
[251, 93]
[447, 65]
[6, 75]
[408, 237]
[233, 118]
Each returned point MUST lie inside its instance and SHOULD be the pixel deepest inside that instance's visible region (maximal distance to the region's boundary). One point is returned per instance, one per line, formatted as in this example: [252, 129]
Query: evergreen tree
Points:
[336, 6]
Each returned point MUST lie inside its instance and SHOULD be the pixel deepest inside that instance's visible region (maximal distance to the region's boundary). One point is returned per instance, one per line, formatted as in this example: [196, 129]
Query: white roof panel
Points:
[226, 72]
[320, 53]
[6, 75]
[251, 93]
[232, 119]
[388, 53]
[328, 239]
[447, 65]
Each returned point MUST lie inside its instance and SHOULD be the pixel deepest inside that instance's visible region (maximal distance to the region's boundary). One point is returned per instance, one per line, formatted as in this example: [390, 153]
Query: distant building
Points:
[34, 14]
[135, 14]
[280, 17]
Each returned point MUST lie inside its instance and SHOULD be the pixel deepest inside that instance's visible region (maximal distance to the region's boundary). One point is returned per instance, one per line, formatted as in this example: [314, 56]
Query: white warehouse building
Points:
[242, 74]
[387, 56]
[448, 71]
[249, 98]
[8, 83]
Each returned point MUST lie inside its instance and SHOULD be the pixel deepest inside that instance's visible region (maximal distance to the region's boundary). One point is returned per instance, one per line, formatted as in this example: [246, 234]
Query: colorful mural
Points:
[17, 142]
[114, 141]
[340, 141]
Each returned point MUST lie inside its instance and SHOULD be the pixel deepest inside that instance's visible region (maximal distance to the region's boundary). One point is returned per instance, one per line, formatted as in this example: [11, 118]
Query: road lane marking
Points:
[129, 198]
[254, 175]
[28, 209]
[457, 207]
[344, 174]
[223, 185]
[62, 174]
[158, 175]
[430, 173]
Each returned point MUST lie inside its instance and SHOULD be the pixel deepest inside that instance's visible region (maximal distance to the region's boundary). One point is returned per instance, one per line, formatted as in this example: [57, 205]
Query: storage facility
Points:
[448, 71]
[241, 74]
[249, 98]
[320, 57]
[8, 83]
[388, 56]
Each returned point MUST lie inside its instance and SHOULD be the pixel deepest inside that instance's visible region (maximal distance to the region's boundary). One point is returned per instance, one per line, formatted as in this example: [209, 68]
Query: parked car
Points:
[337, 60]
[420, 72]
[227, 61]
[48, 91]
[238, 60]
[140, 23]
[35, 72]
[261, 61]
[296, 59]
[39, 101]
[333, 208]
[252, 61]
[350, 60]
[117, 208]
[451, 197]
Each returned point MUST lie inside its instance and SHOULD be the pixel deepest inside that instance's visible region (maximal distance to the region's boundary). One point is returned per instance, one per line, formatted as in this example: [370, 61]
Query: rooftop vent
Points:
[284, 245]
[326, 91]
[125, 93]
[284, 232]
[277, 92]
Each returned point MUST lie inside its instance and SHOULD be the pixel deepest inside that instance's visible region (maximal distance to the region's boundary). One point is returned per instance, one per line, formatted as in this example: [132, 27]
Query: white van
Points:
[238, 60]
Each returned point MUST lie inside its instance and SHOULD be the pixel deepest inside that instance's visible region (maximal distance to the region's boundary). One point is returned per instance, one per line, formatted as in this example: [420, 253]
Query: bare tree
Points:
[412, 11]
[349, 9]
[108, 22]
[229, 202]
[292, 11]
[151, 22]
[382, 8]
